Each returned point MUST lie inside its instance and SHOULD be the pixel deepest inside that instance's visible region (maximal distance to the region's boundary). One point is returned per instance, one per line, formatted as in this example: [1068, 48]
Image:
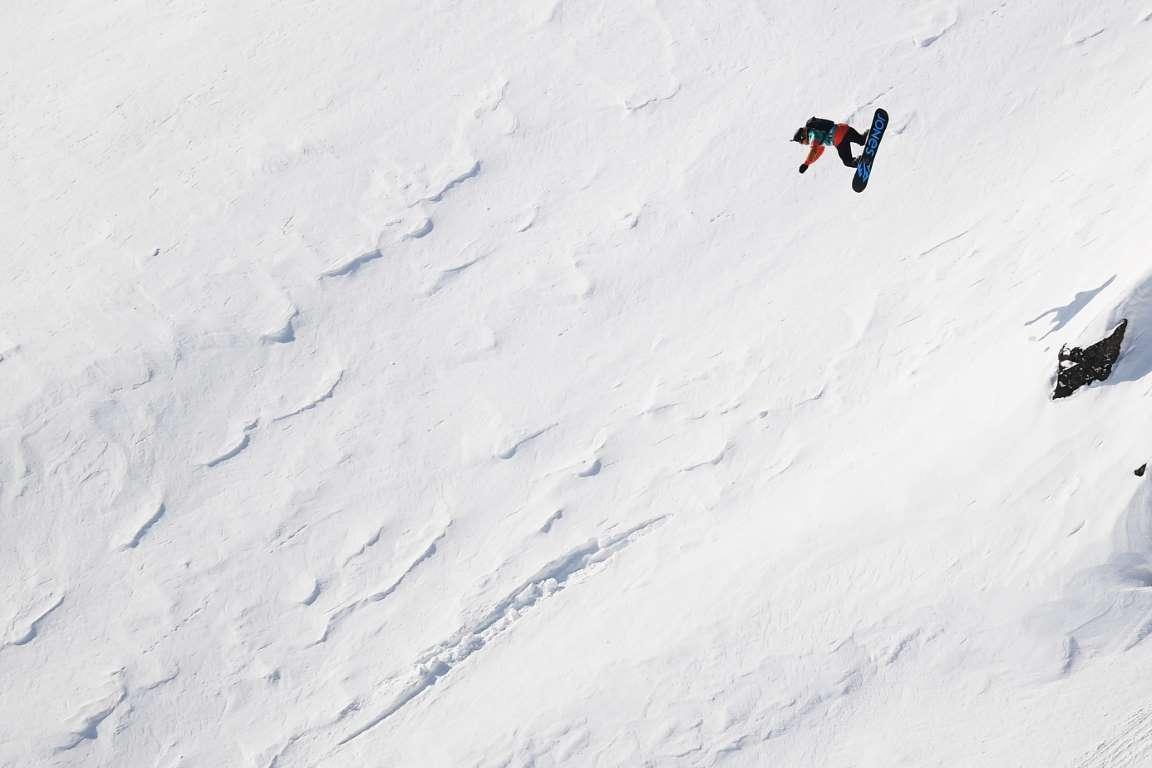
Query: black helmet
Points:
[801, 135]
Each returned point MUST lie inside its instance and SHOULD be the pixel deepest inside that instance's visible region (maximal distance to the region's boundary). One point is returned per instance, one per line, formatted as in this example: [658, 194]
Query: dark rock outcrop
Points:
[1083, 365]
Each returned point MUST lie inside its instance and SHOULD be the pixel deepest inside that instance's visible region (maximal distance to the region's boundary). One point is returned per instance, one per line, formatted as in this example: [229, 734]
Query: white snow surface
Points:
[444, 383]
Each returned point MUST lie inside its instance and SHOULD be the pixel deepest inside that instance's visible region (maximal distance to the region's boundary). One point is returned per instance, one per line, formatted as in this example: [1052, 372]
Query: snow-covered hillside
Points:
[441, 383]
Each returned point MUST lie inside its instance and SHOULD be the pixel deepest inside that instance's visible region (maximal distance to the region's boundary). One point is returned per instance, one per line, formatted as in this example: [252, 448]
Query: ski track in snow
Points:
[443, 659]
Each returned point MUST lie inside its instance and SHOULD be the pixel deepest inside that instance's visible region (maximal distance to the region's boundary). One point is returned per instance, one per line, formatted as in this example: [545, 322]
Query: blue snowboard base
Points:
[868, 156]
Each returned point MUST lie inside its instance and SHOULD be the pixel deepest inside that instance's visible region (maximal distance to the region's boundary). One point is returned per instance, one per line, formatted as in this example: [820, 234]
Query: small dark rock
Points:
[1081, 366]
[1140, 470]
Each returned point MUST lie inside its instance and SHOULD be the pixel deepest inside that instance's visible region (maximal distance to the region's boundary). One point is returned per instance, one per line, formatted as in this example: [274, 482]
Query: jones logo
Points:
[877, 133]
[864, 170]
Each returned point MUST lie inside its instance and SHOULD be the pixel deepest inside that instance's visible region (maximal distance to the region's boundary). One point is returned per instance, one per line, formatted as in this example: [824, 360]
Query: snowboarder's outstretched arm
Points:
[813, 156]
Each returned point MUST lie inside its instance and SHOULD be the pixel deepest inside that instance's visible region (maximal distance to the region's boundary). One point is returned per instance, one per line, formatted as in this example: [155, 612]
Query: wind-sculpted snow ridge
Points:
[442, 660]
[144, 527]
[24, 626]
[85, 723]
[514, 445]
[415, 225]
[943, 21]
[9, 352]
[470, 172]
[285, 334]
[340, 614]
[242, 441]
[352, 265]
[448, 274]
[324, 396]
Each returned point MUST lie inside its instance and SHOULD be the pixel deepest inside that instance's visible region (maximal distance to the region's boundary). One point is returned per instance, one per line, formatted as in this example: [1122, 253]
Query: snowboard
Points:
[868, 156]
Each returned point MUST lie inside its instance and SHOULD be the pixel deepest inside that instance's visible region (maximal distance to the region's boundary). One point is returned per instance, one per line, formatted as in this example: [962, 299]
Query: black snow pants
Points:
[853, 136]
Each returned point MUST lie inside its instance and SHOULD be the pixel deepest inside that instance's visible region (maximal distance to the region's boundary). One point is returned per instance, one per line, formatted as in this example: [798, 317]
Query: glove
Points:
[803, 167]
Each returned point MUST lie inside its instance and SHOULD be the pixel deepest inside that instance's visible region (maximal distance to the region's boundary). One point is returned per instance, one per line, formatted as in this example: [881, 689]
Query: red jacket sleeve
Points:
[814, 154]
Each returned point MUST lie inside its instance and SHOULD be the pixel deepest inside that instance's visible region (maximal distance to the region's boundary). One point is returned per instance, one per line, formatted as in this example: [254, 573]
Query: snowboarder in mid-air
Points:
[819, 132]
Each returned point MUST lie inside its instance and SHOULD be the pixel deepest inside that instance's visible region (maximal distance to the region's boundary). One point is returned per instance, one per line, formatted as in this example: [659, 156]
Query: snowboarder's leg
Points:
[851, 136]
[845, 150]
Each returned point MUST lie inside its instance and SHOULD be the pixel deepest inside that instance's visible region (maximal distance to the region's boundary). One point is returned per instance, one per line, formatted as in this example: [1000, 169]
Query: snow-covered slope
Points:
[442, 383]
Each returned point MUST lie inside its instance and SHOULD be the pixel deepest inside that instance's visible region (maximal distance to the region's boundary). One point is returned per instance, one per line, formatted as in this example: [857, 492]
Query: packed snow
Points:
[439, 383]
